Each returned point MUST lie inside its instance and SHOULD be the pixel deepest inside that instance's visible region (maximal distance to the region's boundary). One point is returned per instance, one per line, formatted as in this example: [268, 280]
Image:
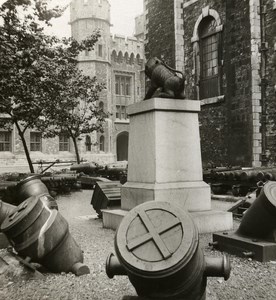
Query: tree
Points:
[33, 66]
[78, 112]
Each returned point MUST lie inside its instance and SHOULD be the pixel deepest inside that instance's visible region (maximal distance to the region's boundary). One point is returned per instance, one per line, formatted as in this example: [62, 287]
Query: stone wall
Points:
[160, 30]
[270, 90]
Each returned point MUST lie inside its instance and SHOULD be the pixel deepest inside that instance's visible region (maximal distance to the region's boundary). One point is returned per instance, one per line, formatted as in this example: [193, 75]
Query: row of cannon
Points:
[253, 175]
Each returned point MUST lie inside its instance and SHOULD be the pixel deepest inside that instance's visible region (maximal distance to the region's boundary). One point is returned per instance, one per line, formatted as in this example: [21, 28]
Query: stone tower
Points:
[118, 62]
[87, 16]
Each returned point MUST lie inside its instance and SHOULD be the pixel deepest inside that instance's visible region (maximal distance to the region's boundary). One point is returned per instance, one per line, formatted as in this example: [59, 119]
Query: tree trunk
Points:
[76, 148]
[27, 153]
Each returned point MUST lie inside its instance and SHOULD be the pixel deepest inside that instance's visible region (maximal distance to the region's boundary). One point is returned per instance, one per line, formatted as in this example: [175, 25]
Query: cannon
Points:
[5, 210]
[40, 234]
[164, 79]
[33, 186]
[256, 235]
[86, 168]
[157, 247]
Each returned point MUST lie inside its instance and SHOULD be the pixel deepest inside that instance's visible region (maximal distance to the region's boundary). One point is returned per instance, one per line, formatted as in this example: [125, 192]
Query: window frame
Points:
[209, 85]
[123, 94]
[35, 141]
[7, 144]
[62, 143]
[101, 143]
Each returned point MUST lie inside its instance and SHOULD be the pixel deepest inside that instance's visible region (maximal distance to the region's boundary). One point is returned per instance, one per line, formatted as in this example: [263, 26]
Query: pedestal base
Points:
[206, 221]
[190, 195]
[245, 246]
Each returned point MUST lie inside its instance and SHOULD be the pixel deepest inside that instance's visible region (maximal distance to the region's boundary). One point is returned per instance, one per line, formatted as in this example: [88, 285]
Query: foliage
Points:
[39, 78]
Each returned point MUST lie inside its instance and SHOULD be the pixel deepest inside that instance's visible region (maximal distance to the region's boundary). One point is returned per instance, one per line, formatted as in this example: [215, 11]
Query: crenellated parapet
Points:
[128, 49]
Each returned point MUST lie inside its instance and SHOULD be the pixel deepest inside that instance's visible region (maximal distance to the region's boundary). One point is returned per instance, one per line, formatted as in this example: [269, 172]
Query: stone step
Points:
[207, 221]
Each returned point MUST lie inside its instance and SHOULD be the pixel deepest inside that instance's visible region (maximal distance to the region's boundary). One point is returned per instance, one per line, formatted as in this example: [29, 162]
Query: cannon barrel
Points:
[30, 186]
[157, 247]
[86, 168]
[33, 186]
[259, 221]
[42, 234]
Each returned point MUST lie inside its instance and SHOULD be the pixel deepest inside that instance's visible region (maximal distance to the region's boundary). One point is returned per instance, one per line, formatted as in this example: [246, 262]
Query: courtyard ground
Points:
[249, 279]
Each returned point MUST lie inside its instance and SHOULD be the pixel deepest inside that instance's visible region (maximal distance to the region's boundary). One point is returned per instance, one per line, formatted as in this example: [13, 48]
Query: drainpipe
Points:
[264, 82]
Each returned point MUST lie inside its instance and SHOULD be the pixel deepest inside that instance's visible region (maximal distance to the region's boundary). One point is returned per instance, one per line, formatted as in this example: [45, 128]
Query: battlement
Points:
[127, 45]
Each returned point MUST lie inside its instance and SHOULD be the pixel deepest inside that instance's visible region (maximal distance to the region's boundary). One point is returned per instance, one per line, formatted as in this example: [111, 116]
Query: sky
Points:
[123, 13]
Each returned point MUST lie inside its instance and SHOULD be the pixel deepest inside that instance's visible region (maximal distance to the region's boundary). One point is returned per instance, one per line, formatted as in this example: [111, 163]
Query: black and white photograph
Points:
[138, 149]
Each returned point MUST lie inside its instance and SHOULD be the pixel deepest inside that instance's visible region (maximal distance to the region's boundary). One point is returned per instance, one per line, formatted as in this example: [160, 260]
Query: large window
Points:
[64, 142]
[209, 60]
[122, 85]
[123, 95]
[35, 141]
[5, 141]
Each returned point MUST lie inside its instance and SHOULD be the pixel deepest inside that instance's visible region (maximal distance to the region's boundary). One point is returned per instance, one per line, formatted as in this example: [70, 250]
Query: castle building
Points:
[227, 51]
[116, 61]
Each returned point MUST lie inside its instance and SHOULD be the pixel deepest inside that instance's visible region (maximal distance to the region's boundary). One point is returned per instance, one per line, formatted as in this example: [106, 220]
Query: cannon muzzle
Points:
[5, 210]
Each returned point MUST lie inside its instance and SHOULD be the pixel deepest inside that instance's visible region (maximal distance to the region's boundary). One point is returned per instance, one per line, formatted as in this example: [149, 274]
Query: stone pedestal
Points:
[164, 160]
[164, 155]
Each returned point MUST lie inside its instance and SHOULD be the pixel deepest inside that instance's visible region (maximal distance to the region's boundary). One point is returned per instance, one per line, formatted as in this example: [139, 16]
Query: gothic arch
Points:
[126, 56]
[114, 55]
[132, 58]
[120, 57]
[205, 13]
[138, 59]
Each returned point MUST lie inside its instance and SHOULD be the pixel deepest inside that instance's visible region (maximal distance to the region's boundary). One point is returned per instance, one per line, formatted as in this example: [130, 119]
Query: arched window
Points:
[120, 57]
[209, 58]
[126, 58]
[138, 59]
[131, 60]
[114, 56]
[102, 143]
[88, 143]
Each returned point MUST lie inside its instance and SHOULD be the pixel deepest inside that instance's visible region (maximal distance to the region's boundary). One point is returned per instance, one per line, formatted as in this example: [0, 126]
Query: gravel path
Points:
[249, 279]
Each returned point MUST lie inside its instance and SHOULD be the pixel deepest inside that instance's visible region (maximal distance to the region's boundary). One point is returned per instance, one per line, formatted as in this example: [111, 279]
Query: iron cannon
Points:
[41, 234]
[164, 79]
[256, 235]
[157, 247]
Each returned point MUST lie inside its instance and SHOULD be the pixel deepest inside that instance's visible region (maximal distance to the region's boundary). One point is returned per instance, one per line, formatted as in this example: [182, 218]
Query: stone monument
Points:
[164, 161]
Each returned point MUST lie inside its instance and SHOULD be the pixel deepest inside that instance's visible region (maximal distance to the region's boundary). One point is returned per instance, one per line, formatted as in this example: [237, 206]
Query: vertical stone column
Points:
[256, 80]
[165, 156]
